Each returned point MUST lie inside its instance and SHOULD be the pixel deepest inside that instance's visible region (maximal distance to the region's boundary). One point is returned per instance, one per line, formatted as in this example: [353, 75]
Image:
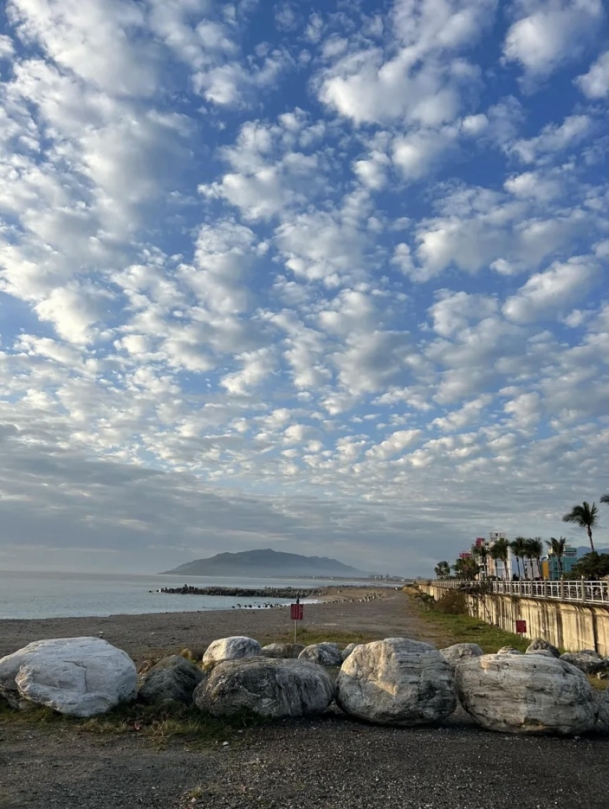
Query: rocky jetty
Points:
[242, 592]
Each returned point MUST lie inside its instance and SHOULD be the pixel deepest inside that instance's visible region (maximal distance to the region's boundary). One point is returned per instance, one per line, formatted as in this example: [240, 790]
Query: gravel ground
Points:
[329, 763]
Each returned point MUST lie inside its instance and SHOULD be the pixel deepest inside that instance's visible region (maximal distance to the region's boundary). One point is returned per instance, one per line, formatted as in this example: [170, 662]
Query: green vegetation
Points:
[307, 636]
[592, 566]
[584, 516]
[159, 724]
[451, 627]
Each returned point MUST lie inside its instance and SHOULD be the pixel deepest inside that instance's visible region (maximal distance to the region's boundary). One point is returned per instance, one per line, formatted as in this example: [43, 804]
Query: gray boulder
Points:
[460, 651]
[347, 650]
[268, 687]
[172, 678]
[539, 644]
[587, 661]
[526, 694]
[282, 650]
[233, 648]
[81, 676]
[603, 712]
[325, 654]
[396, 681]
[508, 650]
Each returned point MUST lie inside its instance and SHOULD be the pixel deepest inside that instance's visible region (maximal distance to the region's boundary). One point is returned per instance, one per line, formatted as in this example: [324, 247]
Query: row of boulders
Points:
[395, 681]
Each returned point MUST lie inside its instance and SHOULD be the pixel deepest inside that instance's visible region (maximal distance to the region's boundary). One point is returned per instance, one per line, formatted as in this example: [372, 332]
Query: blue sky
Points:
[330, 278]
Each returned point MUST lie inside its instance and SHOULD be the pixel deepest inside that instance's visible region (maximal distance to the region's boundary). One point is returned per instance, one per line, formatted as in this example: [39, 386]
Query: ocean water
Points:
[59, 595]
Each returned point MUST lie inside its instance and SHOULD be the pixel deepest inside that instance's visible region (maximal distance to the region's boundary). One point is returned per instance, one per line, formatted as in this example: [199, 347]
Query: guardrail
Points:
[579, 590]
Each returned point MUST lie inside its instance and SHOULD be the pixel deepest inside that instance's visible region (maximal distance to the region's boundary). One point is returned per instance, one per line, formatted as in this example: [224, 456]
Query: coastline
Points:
[339, 611]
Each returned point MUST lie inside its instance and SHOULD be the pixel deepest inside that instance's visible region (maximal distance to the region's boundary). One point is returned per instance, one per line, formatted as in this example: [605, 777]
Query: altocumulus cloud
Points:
[328, 279]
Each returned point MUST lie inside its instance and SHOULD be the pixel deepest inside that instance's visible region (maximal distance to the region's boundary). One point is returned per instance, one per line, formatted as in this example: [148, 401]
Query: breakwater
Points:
[242, 592]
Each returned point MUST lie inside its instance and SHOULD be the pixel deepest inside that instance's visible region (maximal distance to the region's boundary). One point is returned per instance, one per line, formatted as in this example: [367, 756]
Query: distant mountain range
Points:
[582, 550]
[267, 563]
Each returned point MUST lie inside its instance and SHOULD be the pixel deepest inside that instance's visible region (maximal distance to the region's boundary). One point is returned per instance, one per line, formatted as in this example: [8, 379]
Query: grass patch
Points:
[308, 636]
[598, 685]
[451, 628]
[159, 724]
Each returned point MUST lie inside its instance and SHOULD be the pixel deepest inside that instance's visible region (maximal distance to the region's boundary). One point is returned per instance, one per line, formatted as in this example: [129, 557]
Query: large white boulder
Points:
[233, 648]
[269, 687]
[326, 654]
[461, 651]
[530, 693]
[75, 676]
[396, 681]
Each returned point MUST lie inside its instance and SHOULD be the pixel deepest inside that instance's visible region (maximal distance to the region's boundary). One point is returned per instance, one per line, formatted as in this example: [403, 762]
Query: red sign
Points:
[296, 612]
[521, 627]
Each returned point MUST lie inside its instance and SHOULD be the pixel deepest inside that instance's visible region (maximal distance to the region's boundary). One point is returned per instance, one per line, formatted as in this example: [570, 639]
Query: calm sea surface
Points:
[59, 595]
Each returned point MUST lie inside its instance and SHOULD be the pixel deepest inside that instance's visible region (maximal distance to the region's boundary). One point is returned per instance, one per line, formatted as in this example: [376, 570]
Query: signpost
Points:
[296, 614]
[521, 627]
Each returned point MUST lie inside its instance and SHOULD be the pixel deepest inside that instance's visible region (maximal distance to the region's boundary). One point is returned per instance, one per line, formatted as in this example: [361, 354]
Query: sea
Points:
[62, 595]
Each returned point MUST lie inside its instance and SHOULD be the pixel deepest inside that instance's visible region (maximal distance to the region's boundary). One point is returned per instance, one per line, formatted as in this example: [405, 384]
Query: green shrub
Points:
[452, 602]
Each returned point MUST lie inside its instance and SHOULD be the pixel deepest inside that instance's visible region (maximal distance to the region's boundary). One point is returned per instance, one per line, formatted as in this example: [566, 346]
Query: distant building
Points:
[496, 567]
[550, 569]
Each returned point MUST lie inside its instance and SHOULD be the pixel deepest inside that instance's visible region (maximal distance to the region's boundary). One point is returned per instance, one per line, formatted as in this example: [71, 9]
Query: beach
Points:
[151, 635]
[330, 762]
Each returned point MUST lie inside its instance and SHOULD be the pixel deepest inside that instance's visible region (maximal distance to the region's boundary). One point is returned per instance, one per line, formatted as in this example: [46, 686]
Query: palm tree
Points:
[584, 516]
[481, 552]
[605, 498]
[518, 549]
[535, 549]
[557, 549]
[499, 552]
[442, 570]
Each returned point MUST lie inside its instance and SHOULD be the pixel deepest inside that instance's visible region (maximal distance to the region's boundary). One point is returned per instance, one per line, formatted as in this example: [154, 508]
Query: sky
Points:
[329, 278]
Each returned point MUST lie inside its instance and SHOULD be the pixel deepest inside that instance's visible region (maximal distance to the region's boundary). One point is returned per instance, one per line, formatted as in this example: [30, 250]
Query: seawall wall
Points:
[566, 624]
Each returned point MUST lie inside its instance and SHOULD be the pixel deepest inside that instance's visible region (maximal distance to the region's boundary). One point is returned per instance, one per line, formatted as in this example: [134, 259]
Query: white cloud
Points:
[548, 293]
[393, 445]
[416, 153]
[97, 40]
[419, 79]
[554, 138]
[551, 32]
[595, 83]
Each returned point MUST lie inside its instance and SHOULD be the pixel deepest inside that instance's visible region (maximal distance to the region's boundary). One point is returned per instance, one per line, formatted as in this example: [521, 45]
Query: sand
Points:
[150, 635]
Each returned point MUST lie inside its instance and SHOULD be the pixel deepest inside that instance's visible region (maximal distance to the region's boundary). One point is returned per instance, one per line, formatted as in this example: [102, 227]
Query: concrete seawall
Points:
[566, 624]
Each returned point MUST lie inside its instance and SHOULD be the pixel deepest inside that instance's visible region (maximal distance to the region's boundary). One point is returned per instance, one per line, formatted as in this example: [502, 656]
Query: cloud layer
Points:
[326, 279]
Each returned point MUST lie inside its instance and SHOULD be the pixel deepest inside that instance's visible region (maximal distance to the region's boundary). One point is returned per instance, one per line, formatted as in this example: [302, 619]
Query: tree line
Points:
[590, 566]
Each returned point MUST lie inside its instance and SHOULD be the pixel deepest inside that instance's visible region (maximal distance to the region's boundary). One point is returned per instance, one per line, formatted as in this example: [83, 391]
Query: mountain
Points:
[267, 563]
[582, 550]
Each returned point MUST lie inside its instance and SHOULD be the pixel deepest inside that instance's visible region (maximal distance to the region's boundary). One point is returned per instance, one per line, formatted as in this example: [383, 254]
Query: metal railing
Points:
[584, 592]
[587, 592]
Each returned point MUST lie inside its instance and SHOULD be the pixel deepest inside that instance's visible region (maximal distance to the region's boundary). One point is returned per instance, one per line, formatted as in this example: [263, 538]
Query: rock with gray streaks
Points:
[526, 694]
[587, 661]
[81, 676]
[508, 650]
[539, 644]
[269, 687]
[460, 651]
[325, 654]
[172, 678]
[234, 648]
[282, 650]
[396, 681]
